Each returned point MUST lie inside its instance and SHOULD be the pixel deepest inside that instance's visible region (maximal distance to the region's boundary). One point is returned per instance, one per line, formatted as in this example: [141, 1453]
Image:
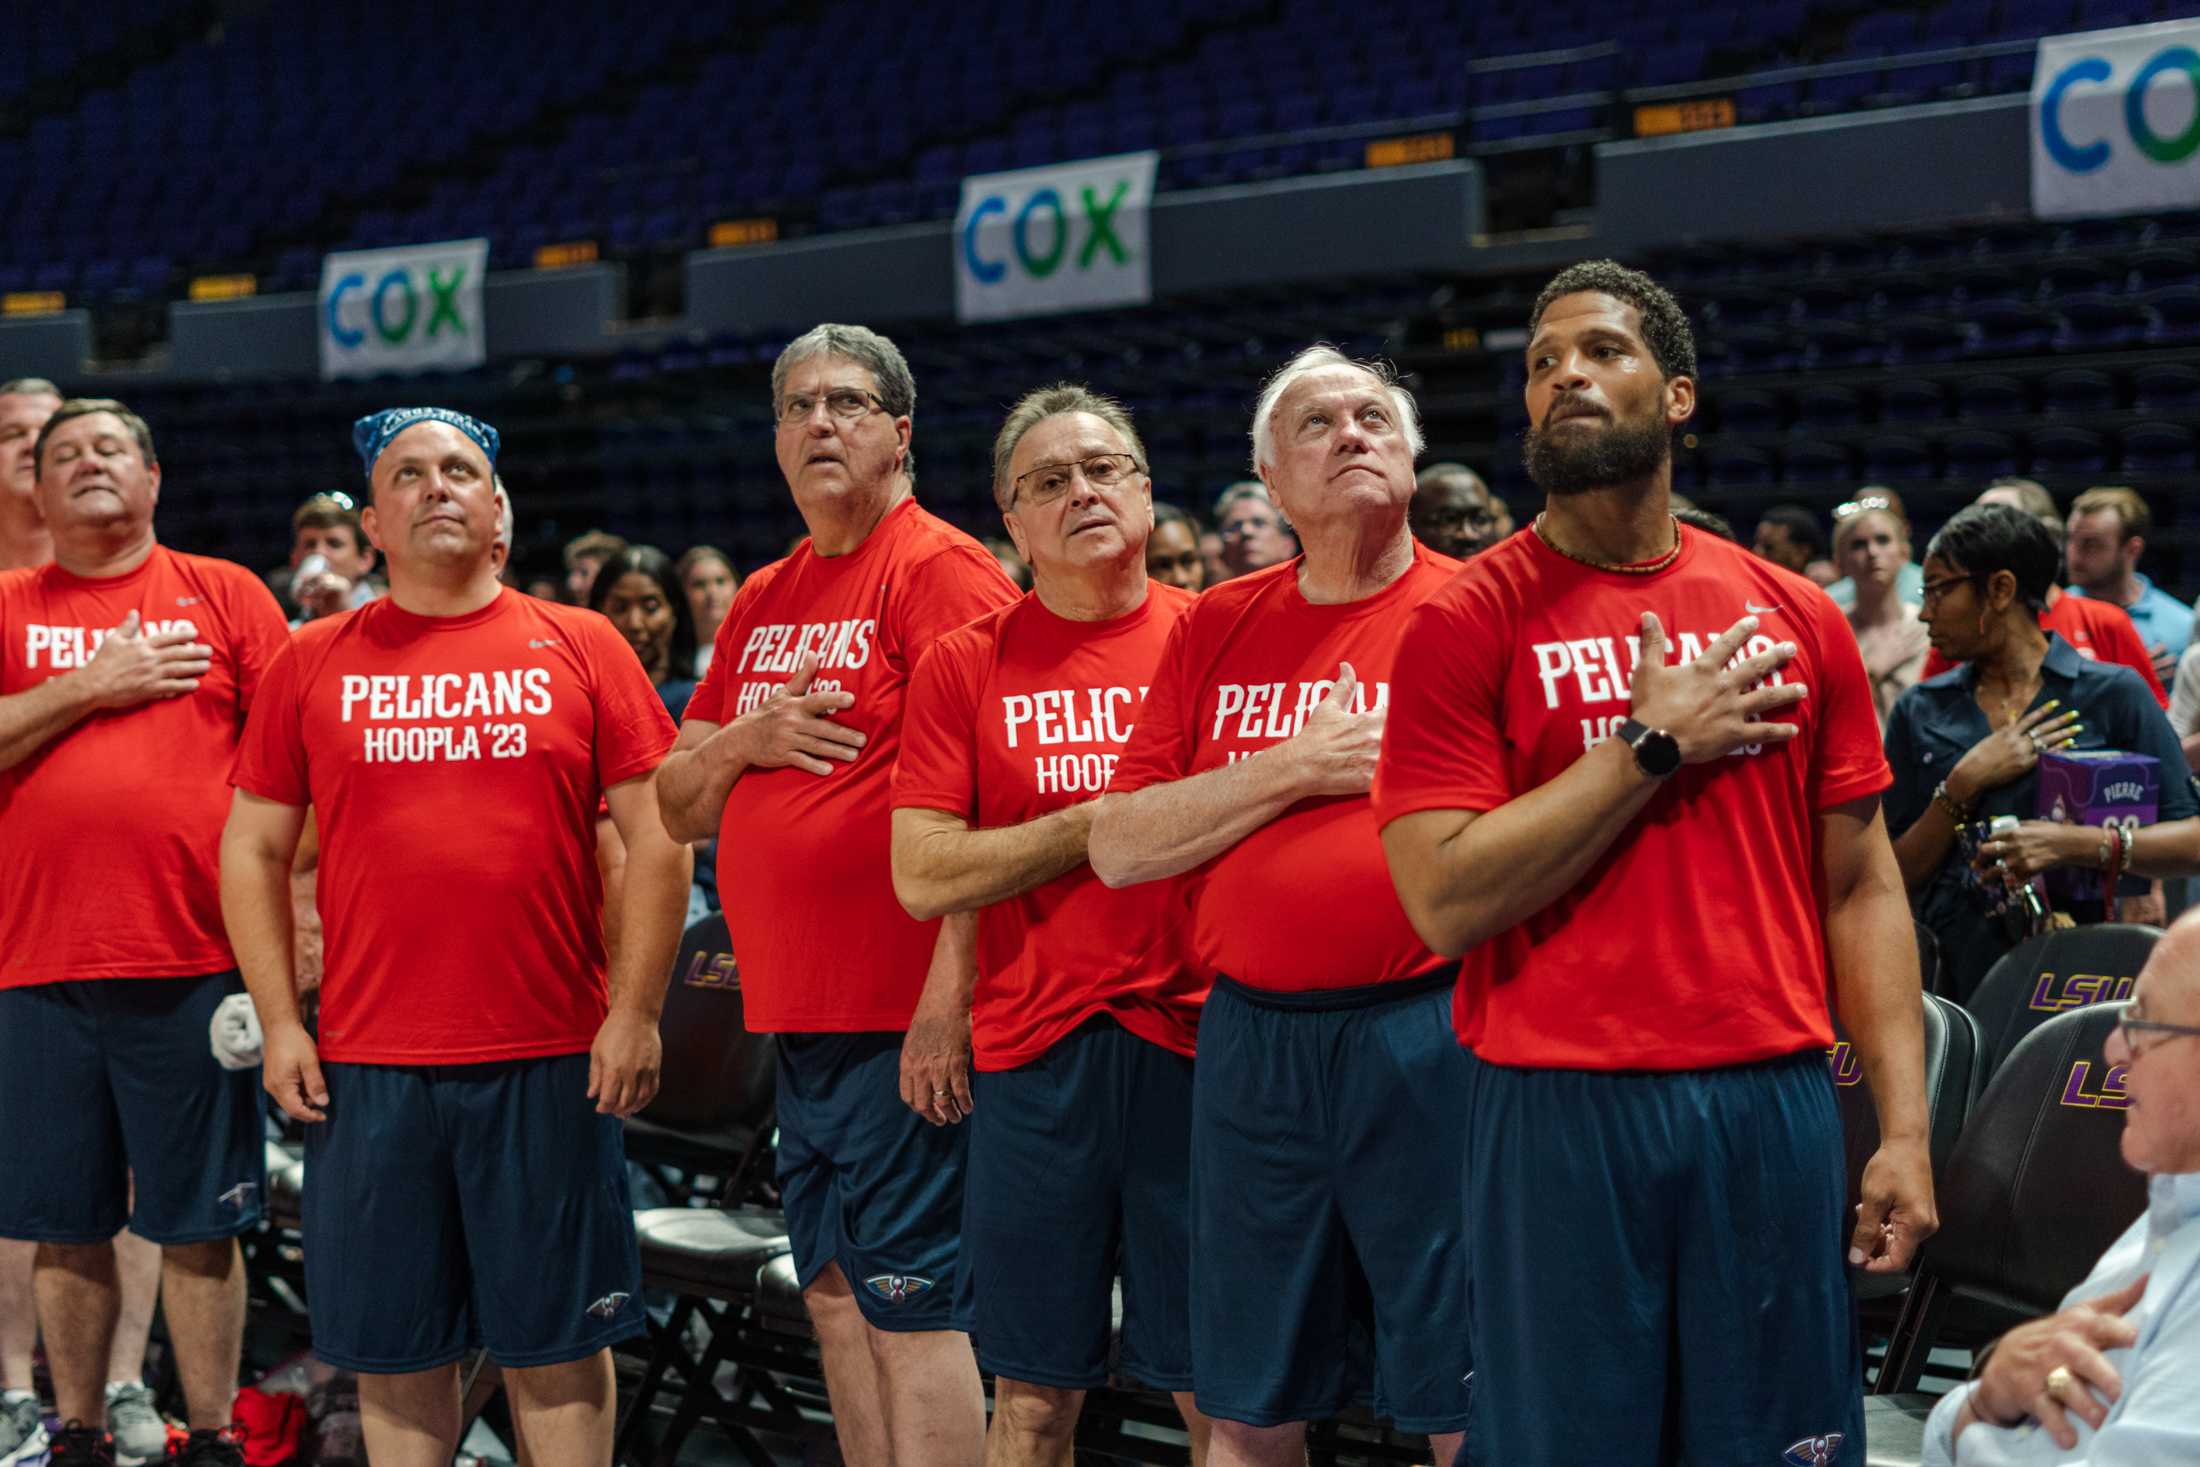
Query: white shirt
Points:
[2156, 1422]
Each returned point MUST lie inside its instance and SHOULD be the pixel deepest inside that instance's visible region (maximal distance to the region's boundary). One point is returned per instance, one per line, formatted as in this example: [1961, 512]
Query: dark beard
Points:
[1617, 453]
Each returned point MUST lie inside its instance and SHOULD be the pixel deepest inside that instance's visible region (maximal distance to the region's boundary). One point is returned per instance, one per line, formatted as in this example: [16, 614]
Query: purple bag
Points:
[2097, 787]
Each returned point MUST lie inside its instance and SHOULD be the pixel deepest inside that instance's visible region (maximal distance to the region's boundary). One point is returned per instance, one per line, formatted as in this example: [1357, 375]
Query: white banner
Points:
[414, 309]
[2116, 121]
[1066, 237]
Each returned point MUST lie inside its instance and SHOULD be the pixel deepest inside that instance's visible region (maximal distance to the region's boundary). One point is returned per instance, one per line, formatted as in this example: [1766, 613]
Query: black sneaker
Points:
[208, 1447]
[78, 1445]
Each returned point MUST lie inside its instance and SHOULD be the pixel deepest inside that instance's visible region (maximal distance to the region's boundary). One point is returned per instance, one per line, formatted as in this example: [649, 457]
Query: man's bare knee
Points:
[832, 1304]
[1048, 1413]
[1234, 1441]
[91, 1259]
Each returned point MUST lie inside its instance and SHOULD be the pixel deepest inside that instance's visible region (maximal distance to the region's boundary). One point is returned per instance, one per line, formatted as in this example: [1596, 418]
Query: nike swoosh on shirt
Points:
[1755, 610]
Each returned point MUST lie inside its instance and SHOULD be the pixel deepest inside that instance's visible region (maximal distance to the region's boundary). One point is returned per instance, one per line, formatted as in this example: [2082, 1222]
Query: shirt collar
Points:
[2173, 1200]
[2062, 660]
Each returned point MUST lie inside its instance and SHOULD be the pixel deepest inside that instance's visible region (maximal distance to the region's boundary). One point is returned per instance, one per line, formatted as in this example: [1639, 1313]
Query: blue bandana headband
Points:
[372, 433]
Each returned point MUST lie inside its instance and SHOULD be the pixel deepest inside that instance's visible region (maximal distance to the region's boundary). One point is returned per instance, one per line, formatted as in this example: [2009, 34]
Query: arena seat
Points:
[2034, 1192]
[1953, 1079]
[710, 1259]
[2053, 973]
[712, 1112]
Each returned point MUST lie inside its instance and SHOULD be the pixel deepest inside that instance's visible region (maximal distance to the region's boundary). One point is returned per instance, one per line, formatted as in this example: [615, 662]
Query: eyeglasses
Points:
[845, 403]
[1934, 590]
[2130, 1027]
[1049, 482]
[1861, 505]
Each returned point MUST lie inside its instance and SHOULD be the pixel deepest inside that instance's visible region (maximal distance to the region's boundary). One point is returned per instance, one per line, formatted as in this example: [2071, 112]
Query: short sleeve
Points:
[1909, 794]
[261, 632]
[633, 731]
[2184, 701]
[1848, 762]
[937, 768]
[271, 756]
[1444, 743]
[1160, 748]
[947, 590]
[2116, 639]
[708, 703]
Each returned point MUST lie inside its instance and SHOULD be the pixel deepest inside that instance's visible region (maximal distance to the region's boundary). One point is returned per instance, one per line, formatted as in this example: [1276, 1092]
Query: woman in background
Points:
[708, 580]
[1871, 545]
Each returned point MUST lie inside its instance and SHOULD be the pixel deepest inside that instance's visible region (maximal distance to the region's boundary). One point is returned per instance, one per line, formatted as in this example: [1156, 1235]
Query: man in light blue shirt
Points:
[2108, 530]
[2113, 1379]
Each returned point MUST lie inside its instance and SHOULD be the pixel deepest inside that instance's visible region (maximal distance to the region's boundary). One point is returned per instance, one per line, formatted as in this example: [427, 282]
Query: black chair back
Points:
[1952, 1083]
[717, 1076]
[2034, 1193]
[2072, 968]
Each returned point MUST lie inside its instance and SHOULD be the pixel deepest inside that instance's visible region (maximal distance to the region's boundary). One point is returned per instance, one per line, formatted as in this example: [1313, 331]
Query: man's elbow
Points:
[921, 899]
[1447, 934]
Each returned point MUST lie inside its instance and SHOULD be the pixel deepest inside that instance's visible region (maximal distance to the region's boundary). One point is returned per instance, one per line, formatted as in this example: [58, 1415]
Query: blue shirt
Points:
[2157, 1418]
[1935, 724]
[2162, 619]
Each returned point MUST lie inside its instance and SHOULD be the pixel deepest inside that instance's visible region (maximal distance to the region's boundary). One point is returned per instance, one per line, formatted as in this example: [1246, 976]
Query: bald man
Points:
[2109, 1376]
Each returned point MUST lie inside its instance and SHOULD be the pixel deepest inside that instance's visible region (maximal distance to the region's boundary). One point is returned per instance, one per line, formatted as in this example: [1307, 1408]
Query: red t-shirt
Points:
[1018, 715]
[804, 860]
[1696, 940]
[455, 764]
[2101, 631]
[110, 834]
[1305, 902]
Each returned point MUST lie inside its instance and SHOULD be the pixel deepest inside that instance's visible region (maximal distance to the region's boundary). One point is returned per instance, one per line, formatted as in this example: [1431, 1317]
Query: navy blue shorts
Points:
[114, 1078]
[866, 1182]
[1080, 1167]
[1325, 1183]
[1657, 1267]
[450, 1207]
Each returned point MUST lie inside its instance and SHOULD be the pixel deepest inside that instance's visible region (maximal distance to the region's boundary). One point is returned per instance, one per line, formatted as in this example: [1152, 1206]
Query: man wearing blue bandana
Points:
[465, 1177]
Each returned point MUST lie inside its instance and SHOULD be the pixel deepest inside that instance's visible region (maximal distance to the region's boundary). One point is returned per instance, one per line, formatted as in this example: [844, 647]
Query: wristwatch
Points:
[1657, 753]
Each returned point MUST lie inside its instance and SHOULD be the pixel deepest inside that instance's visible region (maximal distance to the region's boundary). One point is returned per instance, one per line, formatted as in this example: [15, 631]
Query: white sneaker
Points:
[139, 1433]
[22, 1429]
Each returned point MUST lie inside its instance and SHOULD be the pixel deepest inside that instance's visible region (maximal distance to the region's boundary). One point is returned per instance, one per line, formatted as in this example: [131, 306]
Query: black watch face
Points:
[1658, 753]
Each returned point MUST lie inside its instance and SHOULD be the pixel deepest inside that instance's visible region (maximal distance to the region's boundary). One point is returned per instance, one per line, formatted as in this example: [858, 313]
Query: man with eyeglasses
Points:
[1255, 535]
[2107, 1379]
[1328, 1114]
[1087, 1000]
[1452, 511]
[787, 755]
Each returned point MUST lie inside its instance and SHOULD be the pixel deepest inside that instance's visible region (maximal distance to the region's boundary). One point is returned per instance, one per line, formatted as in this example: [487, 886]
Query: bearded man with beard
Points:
[1632, 774]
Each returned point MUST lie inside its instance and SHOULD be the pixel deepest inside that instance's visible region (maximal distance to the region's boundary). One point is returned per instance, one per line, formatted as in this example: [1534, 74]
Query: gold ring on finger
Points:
[2059, 1382]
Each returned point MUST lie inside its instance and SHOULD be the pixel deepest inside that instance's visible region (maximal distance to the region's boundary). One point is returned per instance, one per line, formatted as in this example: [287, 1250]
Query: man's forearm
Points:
[1872, 949]
[33, 717]
[953, 976]
[1166, 829]
[942, 868]
[653, 912]
[255, 888]
[1504, 866]
[693, 785]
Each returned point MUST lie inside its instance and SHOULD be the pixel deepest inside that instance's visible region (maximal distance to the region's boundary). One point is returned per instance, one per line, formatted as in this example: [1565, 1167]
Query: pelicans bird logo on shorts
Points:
[608, 1305]
[239, 1196]
[896, 1288]
[1813, 1451]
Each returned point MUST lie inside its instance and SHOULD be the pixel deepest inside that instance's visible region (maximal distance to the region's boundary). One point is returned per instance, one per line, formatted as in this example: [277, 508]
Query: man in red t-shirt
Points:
[1326, 1126]
[126, 670]
[787, 755]
[477, 1047]
[1087, 1000]
[1658, 860]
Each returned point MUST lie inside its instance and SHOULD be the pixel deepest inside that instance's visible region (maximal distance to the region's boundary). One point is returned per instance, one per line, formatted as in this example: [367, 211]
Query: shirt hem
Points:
[1841, 794]
[1654, 1063]
[547, 1049]
[991, 1061]
[213, 964]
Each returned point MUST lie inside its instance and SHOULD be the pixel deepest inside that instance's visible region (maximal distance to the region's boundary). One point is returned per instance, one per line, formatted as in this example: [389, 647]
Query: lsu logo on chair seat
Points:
[1813, 1451]
[896, 1288]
